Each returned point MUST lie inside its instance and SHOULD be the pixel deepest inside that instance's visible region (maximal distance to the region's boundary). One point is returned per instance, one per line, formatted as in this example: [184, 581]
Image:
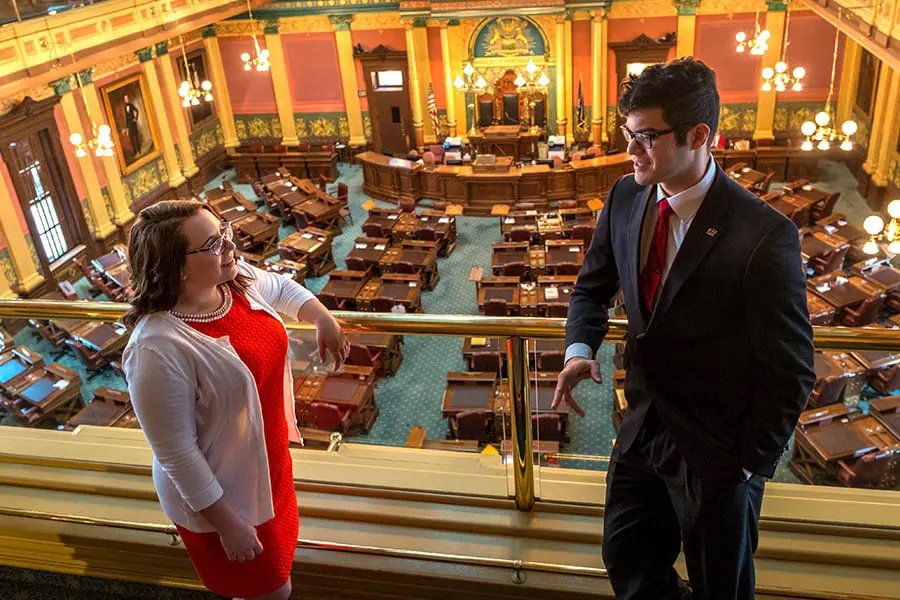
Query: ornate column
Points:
[423, 71]
[158, 106]
[456, 65]
[415, 93]
[876, 135]
[570, 85]
[103, 227]
[765, 104]
[220, 86]
[890, 127]
[5, 290]
[849, 79]
[23, 265]
[687, 27]
[170, 91]
[283, 100]
[598, 81]
[121, 211]
[349, 85]
[447, 63]
[560, 44]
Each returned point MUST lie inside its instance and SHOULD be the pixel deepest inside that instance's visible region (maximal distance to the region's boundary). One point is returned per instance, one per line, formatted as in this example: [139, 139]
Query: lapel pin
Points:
[712, 231]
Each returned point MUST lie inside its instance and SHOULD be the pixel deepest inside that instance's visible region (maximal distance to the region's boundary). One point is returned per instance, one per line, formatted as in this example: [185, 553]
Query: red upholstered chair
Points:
[551, 361]
[823, 209]
[472, 425]
[406, 204]
[405, 267]
[427, 235]
[546, 427]
[496, 308]
[300, 220]
[343, 192]
[428, 158]
[362, 356]
[519, 234]
[257, 148]
[557, 162]
[328, 417]
[358, 264]
[557, 310]
[383, 304]
[491, 362]
[830, 261]
[595, 150]
[864, 314]
[514, 269]
[330, 301]
[886, 380]
[827, 391]
[373, 230]
[438, 151]
[869, 470]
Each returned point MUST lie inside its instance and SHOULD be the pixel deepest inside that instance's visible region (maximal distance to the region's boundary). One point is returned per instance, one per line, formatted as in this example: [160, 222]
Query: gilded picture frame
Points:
[129, 113]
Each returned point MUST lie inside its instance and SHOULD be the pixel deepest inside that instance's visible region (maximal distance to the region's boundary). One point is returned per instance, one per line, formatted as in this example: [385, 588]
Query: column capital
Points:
[340, 22]
[453, 22]
[162, 48]
[208, 31]
[144, 54]
[776, 5]
[62, 86]
[270, 27]
[687, 8]
[600, 14]
[410, 22]
[86, 77]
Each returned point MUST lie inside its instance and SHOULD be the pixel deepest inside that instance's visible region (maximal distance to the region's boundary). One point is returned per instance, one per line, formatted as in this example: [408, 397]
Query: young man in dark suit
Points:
[719, 349]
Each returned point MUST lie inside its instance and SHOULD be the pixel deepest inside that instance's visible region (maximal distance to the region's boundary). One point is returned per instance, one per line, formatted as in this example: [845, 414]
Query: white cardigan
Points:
[199, 408]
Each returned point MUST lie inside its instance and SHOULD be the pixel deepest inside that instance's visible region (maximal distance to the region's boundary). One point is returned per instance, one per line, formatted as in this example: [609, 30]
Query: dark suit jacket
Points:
[726, 358]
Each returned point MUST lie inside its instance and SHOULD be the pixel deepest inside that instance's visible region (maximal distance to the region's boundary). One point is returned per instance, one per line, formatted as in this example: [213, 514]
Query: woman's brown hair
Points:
[156, 253]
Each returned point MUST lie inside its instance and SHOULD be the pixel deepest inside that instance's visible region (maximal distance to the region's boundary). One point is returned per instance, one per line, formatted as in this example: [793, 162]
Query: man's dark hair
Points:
[685, 90]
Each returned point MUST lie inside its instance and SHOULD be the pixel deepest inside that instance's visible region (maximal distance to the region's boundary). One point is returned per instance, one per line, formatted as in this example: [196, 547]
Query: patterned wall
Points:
[266, 128]
[146, 179]
[207, 139]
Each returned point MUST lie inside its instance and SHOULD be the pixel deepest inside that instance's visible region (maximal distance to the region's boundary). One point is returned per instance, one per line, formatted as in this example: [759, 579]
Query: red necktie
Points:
[651, 276]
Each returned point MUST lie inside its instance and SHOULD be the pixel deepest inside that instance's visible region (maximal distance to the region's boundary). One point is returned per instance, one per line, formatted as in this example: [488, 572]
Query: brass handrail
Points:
[514, 330]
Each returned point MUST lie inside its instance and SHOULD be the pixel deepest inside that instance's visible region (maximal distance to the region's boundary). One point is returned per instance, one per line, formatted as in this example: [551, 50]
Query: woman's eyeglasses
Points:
[644, 139]
[217, 246]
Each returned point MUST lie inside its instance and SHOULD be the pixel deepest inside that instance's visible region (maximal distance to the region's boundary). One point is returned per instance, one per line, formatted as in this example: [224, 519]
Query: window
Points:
[41, 203]
[387, 81]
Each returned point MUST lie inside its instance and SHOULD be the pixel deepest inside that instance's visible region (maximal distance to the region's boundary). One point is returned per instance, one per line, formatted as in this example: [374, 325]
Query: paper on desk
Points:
[807, 188]
[308, 236]
[361, 246]
[61, 384]
[823, 288]
[479, 341]
[444, 220]
[840, 280]
[240, 208]
[379, 246]
[392, 217]
[551, 293]
[412, 284]
[530, 212]
[424, 219]
[509, 220]
[315, 246]
[574, 249]
[830, 228]
[745, 170]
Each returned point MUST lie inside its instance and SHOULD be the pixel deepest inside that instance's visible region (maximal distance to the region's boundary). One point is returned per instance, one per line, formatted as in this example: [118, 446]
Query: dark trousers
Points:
[655, 503]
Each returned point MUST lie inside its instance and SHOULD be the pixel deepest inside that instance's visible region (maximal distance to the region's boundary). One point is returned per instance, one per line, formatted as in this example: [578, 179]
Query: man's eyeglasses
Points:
[216, 246]
[644, 139]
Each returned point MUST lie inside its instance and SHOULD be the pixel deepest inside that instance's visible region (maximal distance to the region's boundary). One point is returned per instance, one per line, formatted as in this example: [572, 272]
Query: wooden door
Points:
[387, 89]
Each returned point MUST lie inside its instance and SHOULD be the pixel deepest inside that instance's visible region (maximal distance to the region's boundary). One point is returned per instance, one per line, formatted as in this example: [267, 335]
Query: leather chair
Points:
[514, 269]
[566, 268]
[300, 221]
[551, 361]
[490, 362]
[584, 233]
[871, 470]
[496, 308]
[519, 234]
[373, 230]
[427, 235]
[823, 209]
[472, 425]
[405, 267]
[406, 204]
[438, 151]
[885, 380]
[557, 310]
[343, 192]
[93, 361]
[358, 264]
[827, 390]
[383, 304]
[546, 427]
[428, 158]
[830, 261]
[362, 356]
[864, 314]
[330, 301]
[328, 417]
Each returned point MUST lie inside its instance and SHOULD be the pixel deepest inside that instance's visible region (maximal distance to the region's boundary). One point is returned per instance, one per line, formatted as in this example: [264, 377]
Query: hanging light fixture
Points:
[259, 62]
[470, 81]
[879, 232]
[756, 45]
[100, 142]
[820, 133]
[192, 92]
[782, 77]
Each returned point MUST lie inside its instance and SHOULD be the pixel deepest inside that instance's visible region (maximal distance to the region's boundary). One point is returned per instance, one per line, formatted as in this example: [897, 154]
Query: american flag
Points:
[580, 110]
[432, 110]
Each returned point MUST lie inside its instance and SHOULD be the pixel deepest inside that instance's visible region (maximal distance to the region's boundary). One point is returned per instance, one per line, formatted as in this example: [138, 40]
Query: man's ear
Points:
[700, 135]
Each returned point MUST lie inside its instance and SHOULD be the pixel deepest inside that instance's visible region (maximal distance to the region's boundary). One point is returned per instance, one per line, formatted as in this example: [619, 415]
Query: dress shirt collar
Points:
[686, 203]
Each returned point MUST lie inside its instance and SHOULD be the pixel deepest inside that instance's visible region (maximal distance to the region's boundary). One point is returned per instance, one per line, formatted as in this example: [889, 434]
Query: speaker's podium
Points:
[506, 140]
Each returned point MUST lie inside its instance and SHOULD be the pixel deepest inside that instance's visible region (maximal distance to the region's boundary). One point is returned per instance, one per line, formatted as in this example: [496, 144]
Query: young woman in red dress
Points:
[209, 375]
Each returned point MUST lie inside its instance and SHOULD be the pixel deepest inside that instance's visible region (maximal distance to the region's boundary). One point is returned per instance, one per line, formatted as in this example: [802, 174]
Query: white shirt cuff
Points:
[578, 349]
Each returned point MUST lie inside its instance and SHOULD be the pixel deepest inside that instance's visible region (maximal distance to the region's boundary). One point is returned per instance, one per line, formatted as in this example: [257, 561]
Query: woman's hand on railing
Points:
[575, 371]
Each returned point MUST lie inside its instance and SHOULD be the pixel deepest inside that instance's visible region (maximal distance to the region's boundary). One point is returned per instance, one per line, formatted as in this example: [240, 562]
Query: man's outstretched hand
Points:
[575, 371]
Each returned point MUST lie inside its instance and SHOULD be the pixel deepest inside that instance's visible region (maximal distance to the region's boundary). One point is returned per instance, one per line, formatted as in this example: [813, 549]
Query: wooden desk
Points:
[836, 224]
[747, 177]
[293, 269]
[841, 295]
[836, 363]
[884, 275]
[887, 411]
[541, 387]
[407, 293]
[508, 294]
[368, 252]
[102, 263]
[253, 166]
[352, 388]
[422, 257]
[320, 214]
[109, 408]
[820, 311]
[16, 363]
[385, 222]
[53, 392]
[443, 229]
[232, 207]
[535, 348]
[310, 245]
[105, 338]
[468, 391]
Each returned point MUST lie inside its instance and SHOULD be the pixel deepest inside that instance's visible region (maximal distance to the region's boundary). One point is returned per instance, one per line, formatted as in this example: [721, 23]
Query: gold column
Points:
[280, 84]
[170, 91]
[349, 85]
[121, 211]
[889, 129]
[103, 227]
[423, 70]
[456, 66]
[570, 89]
[19, 252]
[765, 108]
[158, 106]
[220, 86]
[879, 116]
[5, 290]
[686, 28]
[561, 109]
[598, 77]
[415, 93]
[849, 79]
[448, 78]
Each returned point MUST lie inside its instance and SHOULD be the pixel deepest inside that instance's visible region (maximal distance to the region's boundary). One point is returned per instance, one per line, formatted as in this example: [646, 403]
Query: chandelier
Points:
[780, 78]
[100, 142]
[471, 81]
[758, 44]
[820, 133]
[259, 62]
[189, 89]
[879, 232]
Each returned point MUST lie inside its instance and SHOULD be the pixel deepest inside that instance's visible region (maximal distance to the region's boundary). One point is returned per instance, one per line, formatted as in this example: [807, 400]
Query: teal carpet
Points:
[414, 395]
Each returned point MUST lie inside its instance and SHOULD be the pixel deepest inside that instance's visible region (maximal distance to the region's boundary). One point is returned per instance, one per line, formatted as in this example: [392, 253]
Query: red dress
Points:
[261, 342]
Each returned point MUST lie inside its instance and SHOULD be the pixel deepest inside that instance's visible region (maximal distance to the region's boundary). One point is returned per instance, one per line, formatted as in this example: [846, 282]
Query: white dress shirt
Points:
[199, 408]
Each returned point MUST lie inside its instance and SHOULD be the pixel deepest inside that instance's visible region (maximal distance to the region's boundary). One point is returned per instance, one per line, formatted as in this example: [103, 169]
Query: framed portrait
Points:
[130, 116]
[198, 115]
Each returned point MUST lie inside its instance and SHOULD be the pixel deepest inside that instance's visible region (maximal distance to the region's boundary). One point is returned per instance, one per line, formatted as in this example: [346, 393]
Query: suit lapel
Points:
[707, 227]
[635, 230]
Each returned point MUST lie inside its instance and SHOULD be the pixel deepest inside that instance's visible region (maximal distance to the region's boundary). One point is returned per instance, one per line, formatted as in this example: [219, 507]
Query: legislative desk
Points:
[384, 346]
[541, 387]
[106, 338]
[843, 366]
[345, 286]
[820, 311]
[411, 254]
[50, 393]
[843, 292]
[15, 364]
[393, 178]
[109, 408]
[366, 254]
[312, 245]
[820, 245]
[882, 368]
[252, 166]
[887, 410]
[506, 140]
[389, 291]
[231, 207]
[293, 269]
[469, 391]
[352, 388]
[536, 349]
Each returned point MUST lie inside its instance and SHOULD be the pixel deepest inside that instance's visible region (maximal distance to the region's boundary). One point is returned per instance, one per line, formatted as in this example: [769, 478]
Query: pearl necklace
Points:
[207, 317]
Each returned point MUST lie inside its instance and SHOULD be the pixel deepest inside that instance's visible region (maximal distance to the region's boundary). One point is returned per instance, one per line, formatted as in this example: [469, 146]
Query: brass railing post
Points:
[520, 419]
